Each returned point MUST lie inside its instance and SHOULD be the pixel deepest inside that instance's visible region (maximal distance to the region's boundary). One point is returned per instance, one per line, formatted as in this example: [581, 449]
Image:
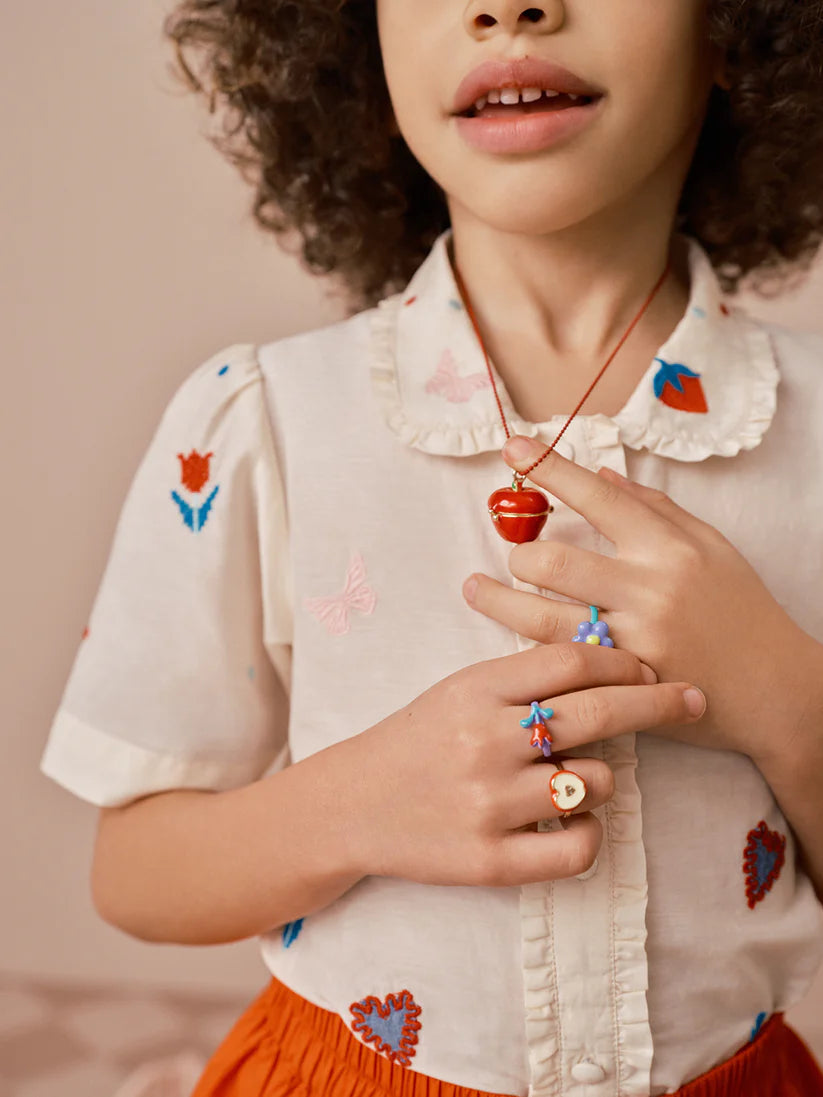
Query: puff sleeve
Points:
[181, 679]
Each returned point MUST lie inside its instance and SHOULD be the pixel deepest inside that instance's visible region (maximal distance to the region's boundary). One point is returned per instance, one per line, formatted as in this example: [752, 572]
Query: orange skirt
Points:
[285, 1046]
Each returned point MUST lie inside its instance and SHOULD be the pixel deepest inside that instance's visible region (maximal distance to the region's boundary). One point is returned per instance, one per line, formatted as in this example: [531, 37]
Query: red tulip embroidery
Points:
[447, 383]
[194, 469]
[334, 611]
[679, 387]
[763, 859]
[193, 476]
[391, 1025]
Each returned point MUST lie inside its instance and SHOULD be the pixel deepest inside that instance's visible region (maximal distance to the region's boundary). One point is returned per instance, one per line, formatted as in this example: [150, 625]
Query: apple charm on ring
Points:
[568, 790]
[519, 513]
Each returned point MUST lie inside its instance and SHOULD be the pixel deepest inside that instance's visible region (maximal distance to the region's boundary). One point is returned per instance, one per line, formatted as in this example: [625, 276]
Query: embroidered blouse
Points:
[254, 572]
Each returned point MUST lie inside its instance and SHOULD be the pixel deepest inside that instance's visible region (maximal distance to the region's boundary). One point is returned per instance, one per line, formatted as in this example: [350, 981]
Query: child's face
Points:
[649, 56]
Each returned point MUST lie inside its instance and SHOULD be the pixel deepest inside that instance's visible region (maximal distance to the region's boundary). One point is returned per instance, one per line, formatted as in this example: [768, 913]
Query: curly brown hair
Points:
[306, 116]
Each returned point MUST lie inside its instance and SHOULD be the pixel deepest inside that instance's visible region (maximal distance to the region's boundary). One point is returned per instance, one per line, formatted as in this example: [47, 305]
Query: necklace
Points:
[519, 513]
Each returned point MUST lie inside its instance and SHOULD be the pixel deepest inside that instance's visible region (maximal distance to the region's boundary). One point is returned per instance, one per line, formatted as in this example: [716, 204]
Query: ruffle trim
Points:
[624, 832]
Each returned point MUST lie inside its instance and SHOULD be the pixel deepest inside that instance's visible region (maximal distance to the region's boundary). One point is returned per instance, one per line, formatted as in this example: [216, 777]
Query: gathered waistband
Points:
[285, 1046]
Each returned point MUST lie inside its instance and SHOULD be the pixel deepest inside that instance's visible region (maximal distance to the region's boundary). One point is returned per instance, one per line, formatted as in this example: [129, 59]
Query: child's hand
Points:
[677, 594]
[449, 789]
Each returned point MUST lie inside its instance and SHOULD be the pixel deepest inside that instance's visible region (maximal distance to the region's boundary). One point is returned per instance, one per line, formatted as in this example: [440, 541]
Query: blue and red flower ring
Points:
[537, 719]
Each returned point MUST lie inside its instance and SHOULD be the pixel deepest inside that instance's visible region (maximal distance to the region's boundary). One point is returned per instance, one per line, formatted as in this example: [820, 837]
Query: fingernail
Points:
[518, 447]
[470, 588]
[648, 674]
[695, 701]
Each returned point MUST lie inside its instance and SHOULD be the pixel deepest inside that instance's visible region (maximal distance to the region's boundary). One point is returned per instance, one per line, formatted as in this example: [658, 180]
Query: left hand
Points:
[677, 594]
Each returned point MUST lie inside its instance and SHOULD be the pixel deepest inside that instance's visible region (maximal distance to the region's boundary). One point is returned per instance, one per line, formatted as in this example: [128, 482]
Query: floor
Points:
[64, 1040]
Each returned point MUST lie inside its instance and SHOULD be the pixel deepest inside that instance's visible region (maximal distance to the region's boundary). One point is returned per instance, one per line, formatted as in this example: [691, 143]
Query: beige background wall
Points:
[127, 257]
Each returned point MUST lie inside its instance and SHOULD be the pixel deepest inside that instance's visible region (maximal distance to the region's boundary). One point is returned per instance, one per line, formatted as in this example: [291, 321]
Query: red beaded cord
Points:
[522, 475]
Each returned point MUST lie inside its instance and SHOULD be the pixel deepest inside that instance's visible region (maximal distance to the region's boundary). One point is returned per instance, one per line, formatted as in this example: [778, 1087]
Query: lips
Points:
[527, 72]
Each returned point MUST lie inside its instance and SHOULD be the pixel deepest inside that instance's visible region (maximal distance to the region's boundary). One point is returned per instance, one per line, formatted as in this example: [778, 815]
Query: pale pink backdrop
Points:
[128, 256]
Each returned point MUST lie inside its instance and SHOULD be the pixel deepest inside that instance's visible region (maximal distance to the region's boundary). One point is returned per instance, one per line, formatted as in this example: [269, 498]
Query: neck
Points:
[551, 308]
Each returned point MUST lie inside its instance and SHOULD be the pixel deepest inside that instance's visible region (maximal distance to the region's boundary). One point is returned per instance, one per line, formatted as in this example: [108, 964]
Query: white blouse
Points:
[277, 547]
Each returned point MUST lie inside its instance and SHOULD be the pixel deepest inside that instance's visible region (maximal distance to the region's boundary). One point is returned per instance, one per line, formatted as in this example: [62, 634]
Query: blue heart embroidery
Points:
[391, 1025]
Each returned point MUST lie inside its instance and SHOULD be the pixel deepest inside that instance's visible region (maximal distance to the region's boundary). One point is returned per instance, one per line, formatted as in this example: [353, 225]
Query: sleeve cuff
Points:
[110, 772]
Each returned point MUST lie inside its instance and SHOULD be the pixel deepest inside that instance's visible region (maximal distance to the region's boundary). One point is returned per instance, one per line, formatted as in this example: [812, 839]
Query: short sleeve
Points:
[181, 678]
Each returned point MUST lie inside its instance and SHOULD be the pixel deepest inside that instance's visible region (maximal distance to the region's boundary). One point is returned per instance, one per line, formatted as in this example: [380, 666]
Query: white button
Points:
[590, 871]
[587, 1071]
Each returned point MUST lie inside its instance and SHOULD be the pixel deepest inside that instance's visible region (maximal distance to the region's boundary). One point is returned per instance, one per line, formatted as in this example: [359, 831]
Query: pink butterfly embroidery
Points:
[333, 612]
[447, 382]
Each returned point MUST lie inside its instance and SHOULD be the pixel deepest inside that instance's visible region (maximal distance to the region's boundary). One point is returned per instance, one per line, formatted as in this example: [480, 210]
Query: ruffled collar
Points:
[711, 388]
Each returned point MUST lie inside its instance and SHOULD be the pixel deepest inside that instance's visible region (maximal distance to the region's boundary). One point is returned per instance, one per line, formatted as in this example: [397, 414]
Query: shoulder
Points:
[798, 357]
[218, 380]
[239, 374]
[798, 353]
[336, 343]
[251, 389]
[242, 366]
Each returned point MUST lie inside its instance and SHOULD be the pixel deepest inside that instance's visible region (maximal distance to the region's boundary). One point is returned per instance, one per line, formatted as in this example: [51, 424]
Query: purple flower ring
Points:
[593, 631]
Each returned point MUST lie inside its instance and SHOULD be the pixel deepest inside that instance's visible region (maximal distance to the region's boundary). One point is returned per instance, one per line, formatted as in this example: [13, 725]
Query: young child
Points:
[297, 721]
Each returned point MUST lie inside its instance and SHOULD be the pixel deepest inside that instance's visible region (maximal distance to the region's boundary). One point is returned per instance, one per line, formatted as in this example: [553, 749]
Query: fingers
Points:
[664, 505]
[563, 569]
[529, 794]
[605, 712]
[618, 514]
[529, 857]
[549, 670]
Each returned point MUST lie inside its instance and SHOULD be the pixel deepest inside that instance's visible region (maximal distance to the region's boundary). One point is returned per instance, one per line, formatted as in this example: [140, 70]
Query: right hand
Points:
[449, 790]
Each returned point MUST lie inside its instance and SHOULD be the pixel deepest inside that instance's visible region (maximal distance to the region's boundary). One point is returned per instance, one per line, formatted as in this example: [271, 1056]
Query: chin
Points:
[540, 216]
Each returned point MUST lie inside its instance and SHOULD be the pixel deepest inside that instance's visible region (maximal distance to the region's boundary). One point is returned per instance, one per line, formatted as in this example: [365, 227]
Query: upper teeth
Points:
[510, 96]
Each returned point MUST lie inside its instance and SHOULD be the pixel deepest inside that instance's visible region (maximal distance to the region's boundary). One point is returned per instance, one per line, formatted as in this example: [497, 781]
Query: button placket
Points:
[596, 956]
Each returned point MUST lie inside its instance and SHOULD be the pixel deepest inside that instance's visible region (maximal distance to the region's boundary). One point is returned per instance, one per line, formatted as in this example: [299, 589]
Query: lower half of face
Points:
[524, 173]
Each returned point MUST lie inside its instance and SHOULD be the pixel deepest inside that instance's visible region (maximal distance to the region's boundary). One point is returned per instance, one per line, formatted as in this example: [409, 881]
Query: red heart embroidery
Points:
[763, 859]
[390, 1025]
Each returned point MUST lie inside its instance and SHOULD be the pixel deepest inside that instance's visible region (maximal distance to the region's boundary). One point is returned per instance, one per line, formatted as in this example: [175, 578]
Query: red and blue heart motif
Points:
[679, 387]
[763, 859]
[391, 1025]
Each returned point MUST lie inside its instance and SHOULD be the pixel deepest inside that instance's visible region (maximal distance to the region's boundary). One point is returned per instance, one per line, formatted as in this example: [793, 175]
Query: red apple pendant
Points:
[519, 514]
